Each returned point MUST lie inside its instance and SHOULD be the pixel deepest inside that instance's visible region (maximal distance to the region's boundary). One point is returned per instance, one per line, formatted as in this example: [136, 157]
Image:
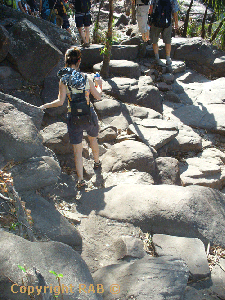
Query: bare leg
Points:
[87, 34]
[82, 34]
[78, 160]
[168, 49]
[155, 48]
[94, 148]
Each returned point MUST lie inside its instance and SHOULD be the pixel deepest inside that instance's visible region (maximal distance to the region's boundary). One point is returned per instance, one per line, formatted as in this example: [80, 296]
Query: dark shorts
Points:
[166, 34]
[76, 132]
[83, 19]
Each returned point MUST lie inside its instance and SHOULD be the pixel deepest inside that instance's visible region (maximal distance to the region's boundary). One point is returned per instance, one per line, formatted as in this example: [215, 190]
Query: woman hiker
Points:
[76, 87]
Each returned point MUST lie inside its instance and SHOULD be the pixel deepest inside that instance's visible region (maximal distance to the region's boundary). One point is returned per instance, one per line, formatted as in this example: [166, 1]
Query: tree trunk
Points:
[184, 34]
[96, 26]
[217, 31]
[108, 44]
[211, 24]
[203, 22]
[133, 16]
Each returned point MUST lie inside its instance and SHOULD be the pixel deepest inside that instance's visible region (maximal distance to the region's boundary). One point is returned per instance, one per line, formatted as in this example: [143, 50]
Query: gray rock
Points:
[49, 223]
[186, 140]
[147, 278]
[10, 80]
[65, 188]
[32, 111]
[155, 133]
[163, 86]
[56, 137]
[169, 172]
[141, 112]
[107, 107]
[122, 20]
[128, 177]
[129, 91]
[168, 78]
[44, 256]
[209, 117]
[35, 173]
[4, 43]
[19, 137]
[128, 247]
[192, 211]
[192, 251]
[207, 169]
[171, 96]
[128, 155]
[92, 56]
[107, 134]
[25, 54]
[60, 37]
[218, 278]
[121, 68]
[199, 55]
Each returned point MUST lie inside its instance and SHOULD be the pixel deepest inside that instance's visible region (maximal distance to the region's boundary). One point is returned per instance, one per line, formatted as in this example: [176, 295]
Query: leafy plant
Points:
[58, 276]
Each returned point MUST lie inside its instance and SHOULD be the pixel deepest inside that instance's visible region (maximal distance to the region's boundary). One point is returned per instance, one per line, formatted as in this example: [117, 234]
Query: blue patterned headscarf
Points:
[72, 78]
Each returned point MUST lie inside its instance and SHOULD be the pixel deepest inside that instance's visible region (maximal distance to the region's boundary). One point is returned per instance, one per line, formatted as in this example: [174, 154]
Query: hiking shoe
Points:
[159, 62]
[80, 184]
[97, 165]
[168, 61]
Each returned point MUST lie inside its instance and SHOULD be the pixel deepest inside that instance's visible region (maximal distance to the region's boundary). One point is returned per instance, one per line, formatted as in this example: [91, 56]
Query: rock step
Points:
[121, 68]
[92, 55]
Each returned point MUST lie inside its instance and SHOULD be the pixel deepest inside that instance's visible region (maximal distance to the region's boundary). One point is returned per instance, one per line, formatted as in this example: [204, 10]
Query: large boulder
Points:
[144, 279]
[129, 91]
[44, 257]
[199, 55]
[191, 211]
[20, 138]
[36, 114]
[49, 223]
[27, 40]
[207, 169]
[55, 137]
[60, 37]
[129, 155]
[121, 68]
[154, 133]
[35, 173]
[192, 251]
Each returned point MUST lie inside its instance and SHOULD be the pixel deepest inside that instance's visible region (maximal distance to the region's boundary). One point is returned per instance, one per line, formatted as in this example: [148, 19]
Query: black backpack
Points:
[85, 6]
[80, 112]
[162, 12]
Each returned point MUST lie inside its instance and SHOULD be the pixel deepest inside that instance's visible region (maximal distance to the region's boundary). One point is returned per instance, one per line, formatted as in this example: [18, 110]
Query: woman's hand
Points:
[98, 82]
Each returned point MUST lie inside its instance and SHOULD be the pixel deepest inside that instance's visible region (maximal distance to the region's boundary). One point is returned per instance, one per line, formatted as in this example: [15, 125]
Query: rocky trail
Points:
[150, 224]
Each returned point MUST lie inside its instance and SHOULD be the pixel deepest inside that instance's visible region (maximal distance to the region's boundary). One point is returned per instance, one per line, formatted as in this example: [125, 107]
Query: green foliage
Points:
[14, 225]
[22, 268]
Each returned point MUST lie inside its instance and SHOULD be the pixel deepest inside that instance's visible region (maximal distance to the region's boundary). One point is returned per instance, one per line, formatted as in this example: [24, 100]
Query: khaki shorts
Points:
[142, 18]
[166, 34]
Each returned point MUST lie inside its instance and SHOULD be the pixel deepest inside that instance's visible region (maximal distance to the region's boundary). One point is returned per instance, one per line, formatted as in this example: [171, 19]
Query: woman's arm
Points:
[96, 91]
[60, 100]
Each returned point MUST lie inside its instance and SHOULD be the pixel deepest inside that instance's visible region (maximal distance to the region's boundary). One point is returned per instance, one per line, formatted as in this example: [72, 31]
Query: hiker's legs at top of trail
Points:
[87, 34]
[82, 34]
[77, 149]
